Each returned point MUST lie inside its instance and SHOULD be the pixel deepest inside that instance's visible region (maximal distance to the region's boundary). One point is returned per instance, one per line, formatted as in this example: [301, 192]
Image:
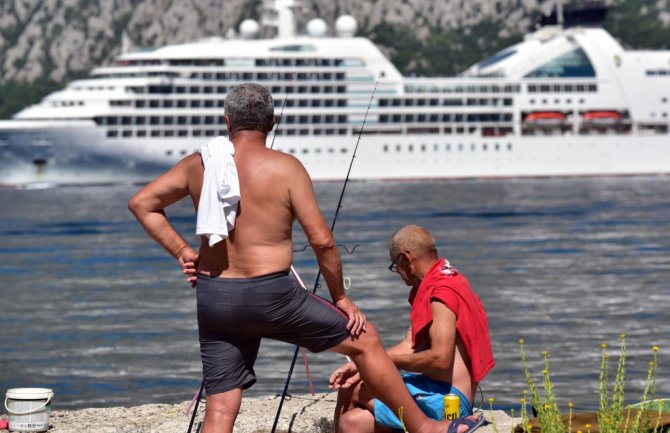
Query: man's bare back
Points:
[274, 190]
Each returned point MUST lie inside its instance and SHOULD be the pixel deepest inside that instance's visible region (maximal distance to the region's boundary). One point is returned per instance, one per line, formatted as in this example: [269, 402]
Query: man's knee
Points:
[356, 420]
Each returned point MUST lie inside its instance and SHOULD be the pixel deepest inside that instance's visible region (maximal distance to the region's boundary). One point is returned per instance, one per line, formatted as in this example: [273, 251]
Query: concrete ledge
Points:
[300, 414]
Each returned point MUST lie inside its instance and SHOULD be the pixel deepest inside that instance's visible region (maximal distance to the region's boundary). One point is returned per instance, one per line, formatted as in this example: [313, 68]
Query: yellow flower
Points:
[490, 399]
[522, 400]
[545, 372]
[570, 404]
[622, 336]
[651, 363]
[604, 346]
[656, 348]
[520, 340]
[588, 426]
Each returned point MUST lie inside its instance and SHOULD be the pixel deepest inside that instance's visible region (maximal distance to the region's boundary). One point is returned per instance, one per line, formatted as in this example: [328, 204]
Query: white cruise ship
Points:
[566, 101]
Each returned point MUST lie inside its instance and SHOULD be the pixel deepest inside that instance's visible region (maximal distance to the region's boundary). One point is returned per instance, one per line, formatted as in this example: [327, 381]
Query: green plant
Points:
[613, 415]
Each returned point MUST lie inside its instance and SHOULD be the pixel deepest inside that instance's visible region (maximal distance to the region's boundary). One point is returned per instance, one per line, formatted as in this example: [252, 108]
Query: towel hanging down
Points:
[220, 192]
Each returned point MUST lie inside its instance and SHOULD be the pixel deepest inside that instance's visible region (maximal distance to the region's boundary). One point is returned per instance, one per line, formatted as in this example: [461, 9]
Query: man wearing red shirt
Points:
[446, 350]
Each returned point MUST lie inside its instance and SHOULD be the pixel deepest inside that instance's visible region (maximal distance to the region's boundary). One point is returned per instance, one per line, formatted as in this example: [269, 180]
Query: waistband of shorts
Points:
[259, 278]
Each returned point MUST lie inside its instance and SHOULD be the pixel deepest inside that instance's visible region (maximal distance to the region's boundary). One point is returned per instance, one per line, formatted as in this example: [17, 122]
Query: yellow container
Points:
[452, 406]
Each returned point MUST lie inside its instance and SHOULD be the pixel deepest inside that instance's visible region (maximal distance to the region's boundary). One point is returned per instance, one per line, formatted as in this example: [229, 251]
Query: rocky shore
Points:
[300, 414]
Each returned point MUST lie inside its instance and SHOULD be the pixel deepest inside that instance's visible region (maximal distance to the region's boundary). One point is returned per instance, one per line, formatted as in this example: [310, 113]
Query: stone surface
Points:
[300, 414]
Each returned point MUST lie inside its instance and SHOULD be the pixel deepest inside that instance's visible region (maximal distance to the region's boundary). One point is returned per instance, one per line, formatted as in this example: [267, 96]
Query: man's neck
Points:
[248, 138]
[423, 266]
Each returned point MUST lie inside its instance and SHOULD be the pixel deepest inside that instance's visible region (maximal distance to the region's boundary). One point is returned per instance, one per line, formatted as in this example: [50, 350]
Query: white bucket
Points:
[28, 409]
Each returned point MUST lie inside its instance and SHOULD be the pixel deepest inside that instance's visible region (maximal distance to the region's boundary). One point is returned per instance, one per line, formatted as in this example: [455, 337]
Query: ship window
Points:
[423, 148]
[182, 133]
[140, 104]
[574, 63]
[342, 131]
[304, 132]
[208, 89]
[303, 119]
[126, 120]
[209, 103]
[434, 117]
[386, 148]
[181, 120]
[181, 103]
[197, 133]
[343, 150]
[142, 133]
[127, 133]
[210, 133]
[168, 120]
[155, 133]
[532, 88]
[154, 103]
[181, 89]
[169, 133]
[303, 103]
[498, 57]
[397, 148]
[316, 102]
[168, 153]
[195, 103]
[155, 120]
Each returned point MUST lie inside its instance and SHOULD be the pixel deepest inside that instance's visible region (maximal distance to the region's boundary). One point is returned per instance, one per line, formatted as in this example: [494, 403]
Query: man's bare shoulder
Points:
[282, 163]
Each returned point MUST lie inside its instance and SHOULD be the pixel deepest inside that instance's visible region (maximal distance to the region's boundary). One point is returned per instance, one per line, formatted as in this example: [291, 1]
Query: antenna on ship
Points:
[559, 13]
[125, 43]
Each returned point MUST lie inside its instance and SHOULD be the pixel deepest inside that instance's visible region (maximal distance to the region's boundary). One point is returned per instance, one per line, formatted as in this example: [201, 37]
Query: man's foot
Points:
[466, 424]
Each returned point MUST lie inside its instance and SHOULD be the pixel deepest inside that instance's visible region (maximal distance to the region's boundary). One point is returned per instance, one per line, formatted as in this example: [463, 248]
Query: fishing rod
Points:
[318, 275]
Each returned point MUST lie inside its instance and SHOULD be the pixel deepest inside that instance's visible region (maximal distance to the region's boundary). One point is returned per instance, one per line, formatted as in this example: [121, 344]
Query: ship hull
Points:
[81, 153]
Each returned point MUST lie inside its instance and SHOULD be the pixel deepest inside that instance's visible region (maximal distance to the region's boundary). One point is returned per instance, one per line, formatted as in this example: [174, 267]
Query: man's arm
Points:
[149, 203]
[320, 238]
[440, 355]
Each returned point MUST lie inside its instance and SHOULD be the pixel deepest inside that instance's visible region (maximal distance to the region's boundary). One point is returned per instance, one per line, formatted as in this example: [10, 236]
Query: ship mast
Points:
[279, 14]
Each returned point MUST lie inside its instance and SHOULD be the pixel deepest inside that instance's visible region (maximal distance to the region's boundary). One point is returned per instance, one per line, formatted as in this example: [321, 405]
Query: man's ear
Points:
[229, 125]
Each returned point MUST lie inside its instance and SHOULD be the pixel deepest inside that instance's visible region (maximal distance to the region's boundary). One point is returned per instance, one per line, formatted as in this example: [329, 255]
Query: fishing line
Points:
[344, 247]
[281, 112]
[332, 227]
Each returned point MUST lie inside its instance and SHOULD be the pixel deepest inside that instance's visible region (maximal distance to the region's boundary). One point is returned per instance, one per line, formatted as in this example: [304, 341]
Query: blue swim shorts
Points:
[429, 396]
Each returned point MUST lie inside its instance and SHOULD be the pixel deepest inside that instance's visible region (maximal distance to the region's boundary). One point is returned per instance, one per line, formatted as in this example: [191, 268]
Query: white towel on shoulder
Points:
[220, 193]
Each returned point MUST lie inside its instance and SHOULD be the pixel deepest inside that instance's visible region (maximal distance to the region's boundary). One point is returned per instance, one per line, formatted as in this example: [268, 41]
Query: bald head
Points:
[413, 238]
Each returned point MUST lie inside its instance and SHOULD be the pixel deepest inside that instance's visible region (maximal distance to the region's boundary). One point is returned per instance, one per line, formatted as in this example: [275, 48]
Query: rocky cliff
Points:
[48, 42]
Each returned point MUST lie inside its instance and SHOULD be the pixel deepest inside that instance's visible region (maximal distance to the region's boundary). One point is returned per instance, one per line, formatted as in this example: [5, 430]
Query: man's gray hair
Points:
[250, 107]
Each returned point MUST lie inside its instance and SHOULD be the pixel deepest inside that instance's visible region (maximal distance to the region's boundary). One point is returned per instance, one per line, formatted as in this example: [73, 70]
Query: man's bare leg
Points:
[221, 411]
[382, 379]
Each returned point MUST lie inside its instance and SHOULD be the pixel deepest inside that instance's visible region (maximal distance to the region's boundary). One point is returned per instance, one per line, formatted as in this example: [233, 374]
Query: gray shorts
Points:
[235, 313]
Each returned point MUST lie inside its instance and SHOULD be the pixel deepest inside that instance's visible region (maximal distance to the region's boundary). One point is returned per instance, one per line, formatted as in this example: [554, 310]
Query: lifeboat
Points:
[545, 117]
[601, 116]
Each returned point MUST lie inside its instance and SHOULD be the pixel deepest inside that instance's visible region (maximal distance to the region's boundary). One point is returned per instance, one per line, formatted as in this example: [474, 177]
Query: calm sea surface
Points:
[92, 308]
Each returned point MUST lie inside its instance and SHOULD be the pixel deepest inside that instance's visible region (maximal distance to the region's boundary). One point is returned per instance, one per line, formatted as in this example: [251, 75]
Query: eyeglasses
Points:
[393, 267]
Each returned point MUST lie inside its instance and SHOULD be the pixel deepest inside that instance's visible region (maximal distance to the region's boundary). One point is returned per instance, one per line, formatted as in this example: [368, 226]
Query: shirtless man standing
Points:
[244, 290]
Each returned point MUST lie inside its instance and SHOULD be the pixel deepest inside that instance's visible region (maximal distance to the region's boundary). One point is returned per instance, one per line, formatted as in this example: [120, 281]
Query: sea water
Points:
[93, 309]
